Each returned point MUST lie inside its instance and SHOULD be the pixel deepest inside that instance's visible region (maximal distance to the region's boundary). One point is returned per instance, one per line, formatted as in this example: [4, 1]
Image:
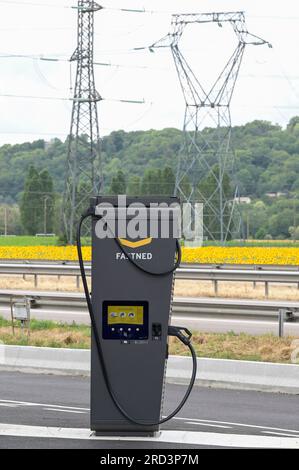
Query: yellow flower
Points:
[241, 255]
[204, 255]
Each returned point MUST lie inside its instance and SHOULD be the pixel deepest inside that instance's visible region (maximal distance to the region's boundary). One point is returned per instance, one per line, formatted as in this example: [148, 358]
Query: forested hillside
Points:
[267, 161]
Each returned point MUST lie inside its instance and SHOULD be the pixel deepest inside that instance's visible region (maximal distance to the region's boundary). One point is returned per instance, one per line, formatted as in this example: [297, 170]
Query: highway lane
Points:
[207, 324]
[30, 404]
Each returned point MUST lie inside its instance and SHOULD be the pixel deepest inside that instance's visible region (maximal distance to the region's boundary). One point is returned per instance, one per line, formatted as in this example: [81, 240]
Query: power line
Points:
[282, 76]
[37, 133]
[273, 106]
[126, 10]
[138, 10]
[38, 29]
[129, 101]
[58, 98]
[271, 17]
[50, 5]
[33, 133]
[34, 4]
[56, 59]
[33, 57]
[32, 97]
[275, 76]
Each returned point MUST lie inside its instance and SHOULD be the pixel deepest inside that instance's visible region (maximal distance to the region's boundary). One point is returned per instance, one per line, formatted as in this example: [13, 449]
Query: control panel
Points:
[125, 320]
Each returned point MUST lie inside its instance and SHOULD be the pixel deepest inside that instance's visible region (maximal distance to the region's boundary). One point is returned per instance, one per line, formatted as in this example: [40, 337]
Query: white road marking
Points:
[8, 405]
[65, 411]
[209, 425]
[279, 434]
[177, 437]
[27, 403]
[14, 403]
[235, 424]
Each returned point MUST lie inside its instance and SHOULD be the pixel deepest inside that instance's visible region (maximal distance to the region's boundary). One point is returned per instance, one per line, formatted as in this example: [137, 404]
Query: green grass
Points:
[267, 348]
[44, 333]
[28, 241]
[41, 325]
[257, 243]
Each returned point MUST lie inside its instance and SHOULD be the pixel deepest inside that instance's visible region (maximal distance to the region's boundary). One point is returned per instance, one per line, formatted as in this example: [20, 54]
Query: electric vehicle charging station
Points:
[130, 309]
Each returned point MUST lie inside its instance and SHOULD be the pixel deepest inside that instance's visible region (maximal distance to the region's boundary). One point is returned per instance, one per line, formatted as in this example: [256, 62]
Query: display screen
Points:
[125, 314]
[125, 320]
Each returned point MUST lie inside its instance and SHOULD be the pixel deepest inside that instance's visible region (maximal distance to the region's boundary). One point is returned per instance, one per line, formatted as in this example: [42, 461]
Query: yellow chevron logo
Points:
[138, 244]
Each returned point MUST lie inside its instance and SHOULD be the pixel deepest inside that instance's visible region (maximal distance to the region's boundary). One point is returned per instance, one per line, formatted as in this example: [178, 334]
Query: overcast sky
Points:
[267, 88]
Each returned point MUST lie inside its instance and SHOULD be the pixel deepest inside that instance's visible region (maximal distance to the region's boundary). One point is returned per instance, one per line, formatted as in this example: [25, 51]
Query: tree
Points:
[10, 222]
[168, 181]
[261, 234]
[185, 187]
[294, 232]
[48, 201]
[152, 182]
[267, 161]
[293, 125]
[279, 223]
[37, 204]
[118, 184]
[134, 186]
[30, 206]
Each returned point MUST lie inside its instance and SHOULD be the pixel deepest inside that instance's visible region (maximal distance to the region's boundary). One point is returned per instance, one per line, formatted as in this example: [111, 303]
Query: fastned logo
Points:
[137, 244]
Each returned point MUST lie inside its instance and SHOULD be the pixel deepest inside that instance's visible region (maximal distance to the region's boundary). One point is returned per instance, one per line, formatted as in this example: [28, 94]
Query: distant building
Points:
[277, 194]
[49, 143]
[243, 200]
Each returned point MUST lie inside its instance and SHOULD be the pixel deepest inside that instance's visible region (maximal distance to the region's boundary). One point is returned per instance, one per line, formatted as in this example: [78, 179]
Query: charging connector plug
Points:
[179, 331]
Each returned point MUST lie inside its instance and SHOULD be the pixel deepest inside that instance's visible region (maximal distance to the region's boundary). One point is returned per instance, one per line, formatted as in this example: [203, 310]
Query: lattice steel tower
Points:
[83, 172]
[205, 168]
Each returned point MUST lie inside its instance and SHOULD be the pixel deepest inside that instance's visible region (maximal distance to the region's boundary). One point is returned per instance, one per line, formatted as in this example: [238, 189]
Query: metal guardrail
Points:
[184, 272]
[258, 310]
[258, 267]
[214, 273]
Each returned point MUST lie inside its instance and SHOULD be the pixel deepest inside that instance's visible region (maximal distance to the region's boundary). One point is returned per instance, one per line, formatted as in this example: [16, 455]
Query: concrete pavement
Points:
[44, 411]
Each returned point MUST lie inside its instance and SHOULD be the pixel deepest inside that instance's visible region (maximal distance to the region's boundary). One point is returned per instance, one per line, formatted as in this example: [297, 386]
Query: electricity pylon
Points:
[205, 167]
[83, 172]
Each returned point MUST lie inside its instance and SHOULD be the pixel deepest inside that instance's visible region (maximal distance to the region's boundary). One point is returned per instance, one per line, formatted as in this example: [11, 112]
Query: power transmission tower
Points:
[83, 172]
[205, 168]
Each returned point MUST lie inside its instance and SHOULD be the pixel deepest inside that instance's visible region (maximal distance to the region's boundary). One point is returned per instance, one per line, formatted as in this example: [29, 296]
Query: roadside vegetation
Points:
[266, 167]
[30, 240]
[206, 254]
[44, 333]
[183, 288]
[267, 348]
[27, 240]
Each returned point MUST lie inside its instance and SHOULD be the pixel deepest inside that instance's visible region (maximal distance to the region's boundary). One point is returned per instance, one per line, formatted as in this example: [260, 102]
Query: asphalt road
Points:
[207, 324]
[44, 411]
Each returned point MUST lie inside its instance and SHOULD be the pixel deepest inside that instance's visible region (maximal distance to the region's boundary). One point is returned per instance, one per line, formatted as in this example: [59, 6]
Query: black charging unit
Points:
[130, 309]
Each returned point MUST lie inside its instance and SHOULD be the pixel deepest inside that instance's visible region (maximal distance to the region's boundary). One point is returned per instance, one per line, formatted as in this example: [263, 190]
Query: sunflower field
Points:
[204, 255]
